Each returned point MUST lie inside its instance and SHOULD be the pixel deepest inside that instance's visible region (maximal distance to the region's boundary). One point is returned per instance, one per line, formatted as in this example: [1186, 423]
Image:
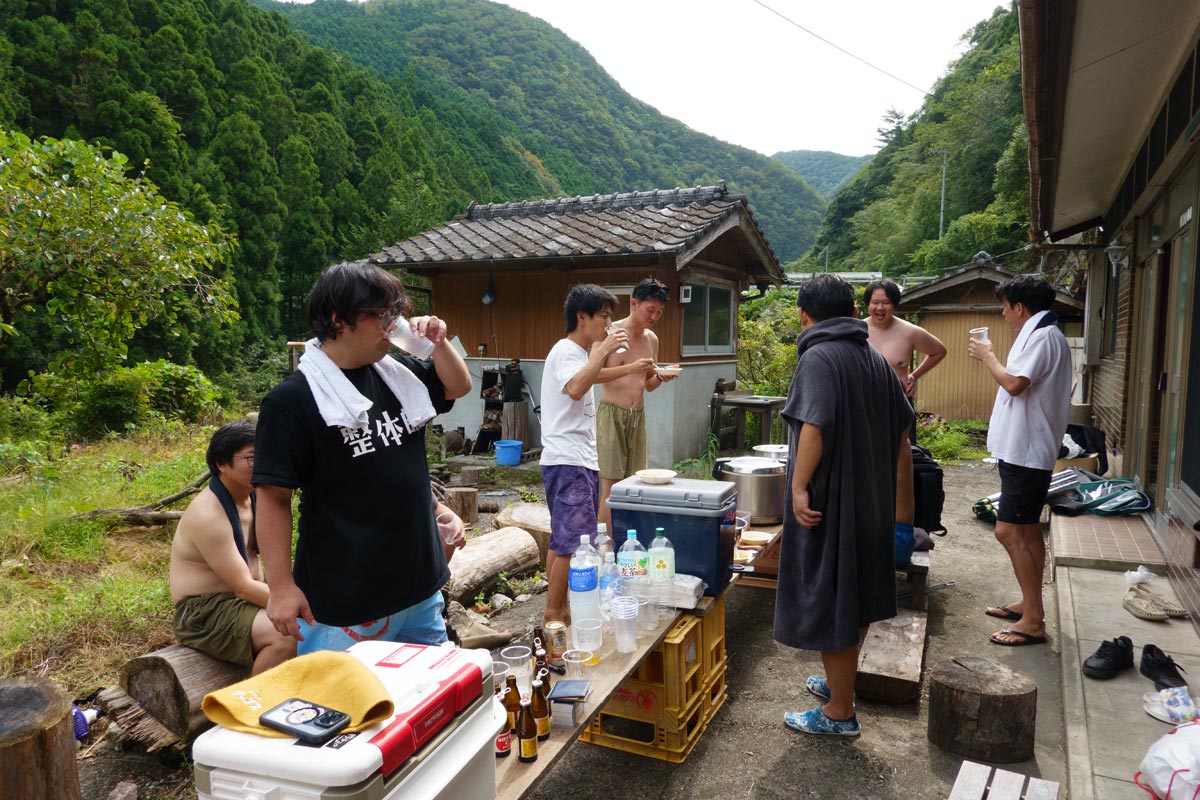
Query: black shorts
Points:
[1022, 494]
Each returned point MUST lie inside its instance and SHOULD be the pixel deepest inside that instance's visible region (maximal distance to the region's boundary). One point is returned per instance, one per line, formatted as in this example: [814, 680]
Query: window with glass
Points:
[708, 318]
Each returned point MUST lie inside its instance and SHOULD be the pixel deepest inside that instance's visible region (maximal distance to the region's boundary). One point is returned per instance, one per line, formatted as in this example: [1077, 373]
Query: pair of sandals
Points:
[1023, 639]
[1173, 706]
[1152, 606]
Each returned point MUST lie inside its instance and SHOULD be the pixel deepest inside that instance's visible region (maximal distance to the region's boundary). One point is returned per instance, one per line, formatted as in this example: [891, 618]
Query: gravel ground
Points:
[746, 750]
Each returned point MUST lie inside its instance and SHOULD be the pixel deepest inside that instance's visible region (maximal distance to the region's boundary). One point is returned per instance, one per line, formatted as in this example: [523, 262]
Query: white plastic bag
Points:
[1140, 575]
[1171, 768]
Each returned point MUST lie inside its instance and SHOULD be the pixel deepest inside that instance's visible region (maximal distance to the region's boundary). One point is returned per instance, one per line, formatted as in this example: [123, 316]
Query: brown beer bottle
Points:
[504, 739]
[512, 701]
[541, 666]
[540, 707]
[527, 738]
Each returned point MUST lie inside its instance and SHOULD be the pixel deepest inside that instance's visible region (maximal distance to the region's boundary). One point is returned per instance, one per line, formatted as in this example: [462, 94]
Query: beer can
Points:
[556, 632]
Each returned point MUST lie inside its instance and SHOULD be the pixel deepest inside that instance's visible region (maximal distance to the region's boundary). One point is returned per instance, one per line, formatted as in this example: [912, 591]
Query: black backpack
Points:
[929, 496]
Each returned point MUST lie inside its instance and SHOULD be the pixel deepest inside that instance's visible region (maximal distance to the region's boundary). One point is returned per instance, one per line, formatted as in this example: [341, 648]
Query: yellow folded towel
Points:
[328, 678]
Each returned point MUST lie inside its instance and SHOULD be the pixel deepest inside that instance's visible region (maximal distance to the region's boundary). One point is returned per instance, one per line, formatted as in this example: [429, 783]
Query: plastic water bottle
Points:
[610, 587]
[661, 566]
[631, 563]
[583, 582]
[603, 542]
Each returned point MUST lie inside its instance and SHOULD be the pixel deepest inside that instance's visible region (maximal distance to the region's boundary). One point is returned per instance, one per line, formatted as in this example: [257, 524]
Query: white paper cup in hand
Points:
[979, 334]
[403, 336]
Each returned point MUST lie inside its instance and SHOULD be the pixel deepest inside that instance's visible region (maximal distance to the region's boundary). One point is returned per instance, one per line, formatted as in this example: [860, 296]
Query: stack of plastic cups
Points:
[625, 623]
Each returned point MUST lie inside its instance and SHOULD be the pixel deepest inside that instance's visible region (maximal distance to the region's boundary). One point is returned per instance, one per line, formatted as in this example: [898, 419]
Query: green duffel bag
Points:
[1112, 497]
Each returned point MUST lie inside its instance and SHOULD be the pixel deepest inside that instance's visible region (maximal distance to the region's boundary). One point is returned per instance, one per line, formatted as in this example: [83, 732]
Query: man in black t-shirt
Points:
[348, 431]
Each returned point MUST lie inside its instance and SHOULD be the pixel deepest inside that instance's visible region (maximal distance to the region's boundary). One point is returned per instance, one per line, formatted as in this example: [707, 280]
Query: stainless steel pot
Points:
[761, 485]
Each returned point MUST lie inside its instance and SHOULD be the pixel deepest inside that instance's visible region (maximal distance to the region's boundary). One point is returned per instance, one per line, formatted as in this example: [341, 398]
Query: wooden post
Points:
[169, 684]
[514, 421]
[981, 709]
[470, 475]
[37, 741]
[464, 501]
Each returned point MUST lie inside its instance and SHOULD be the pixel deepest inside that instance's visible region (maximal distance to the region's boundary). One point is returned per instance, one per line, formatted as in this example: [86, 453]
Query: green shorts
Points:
[620, 440]
[219, 624]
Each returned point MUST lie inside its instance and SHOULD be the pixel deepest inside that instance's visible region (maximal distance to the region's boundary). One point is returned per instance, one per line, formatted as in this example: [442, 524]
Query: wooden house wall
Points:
[528, 309]
[960, 387]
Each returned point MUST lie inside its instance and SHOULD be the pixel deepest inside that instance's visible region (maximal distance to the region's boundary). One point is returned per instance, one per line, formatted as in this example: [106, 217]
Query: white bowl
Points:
[742, 556]
[755, 537]
[657, 476]
[668, 370]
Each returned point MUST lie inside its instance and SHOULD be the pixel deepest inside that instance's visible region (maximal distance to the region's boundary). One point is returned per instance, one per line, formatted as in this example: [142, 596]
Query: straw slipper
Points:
[1143, 608]
[1023, 638]
[1168, 607]
[1003, 612]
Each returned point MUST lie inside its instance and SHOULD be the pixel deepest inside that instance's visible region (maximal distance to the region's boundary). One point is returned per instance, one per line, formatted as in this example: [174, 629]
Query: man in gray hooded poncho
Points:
[848, 425]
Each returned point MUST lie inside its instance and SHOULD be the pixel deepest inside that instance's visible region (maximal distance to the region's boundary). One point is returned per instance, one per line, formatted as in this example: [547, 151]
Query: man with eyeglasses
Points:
[215, 578]
[348, 431]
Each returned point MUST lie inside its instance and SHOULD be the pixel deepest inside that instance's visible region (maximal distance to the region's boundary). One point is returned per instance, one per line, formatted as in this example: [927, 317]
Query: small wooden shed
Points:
[499, 275]
[949, 308]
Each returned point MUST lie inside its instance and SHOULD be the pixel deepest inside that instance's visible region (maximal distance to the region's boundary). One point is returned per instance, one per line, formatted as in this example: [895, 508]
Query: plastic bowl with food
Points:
[655, 475]
[755, 538]
[742, 556]
[668, 370]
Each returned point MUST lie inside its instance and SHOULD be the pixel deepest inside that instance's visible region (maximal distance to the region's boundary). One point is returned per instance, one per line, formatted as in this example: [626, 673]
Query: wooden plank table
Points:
[513, 778]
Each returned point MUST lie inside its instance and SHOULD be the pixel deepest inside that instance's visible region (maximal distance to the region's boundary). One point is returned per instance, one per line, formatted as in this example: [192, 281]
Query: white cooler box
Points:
[439, 743]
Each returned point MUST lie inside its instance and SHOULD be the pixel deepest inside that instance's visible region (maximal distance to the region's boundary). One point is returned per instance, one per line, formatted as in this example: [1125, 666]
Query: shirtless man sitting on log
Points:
[216, 582]
[896, 339]
[624, 379]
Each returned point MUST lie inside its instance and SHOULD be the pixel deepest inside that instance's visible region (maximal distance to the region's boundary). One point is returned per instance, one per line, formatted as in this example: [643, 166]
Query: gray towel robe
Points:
[840, 575]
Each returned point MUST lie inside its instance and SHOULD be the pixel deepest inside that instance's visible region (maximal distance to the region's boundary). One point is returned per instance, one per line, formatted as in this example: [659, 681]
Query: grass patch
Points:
[953, 439]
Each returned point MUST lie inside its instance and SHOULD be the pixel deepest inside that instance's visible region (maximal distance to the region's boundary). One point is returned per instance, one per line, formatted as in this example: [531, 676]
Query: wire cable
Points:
[881, 70]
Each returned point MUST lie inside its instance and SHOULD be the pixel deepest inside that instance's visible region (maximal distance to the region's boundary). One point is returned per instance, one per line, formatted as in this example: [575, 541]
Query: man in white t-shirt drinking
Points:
[570, 468]
[1026, 429]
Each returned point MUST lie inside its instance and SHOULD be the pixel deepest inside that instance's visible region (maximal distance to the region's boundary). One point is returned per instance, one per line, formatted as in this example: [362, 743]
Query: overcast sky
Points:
[733, 69]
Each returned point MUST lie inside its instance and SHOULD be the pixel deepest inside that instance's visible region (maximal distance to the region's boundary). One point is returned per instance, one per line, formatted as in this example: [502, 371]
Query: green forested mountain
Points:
[549, 99]
[886, 218]
[825, 171]
[311, 155]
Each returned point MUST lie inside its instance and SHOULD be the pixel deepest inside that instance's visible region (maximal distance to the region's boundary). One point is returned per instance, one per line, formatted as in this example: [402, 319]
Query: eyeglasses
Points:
[386, 318]
[248, 459]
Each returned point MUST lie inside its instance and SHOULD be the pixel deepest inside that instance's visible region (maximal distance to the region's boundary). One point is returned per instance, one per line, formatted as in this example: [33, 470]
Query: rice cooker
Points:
[761, 485]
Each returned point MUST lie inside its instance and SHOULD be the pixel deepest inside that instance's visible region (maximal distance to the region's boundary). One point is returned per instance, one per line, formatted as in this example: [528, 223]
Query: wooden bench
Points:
[979, 781]
[917, 574]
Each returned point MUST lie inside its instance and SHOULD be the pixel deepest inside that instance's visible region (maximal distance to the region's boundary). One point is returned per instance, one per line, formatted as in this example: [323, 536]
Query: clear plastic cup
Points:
[577, 662]
[445, 526]
[500, 671]
[625, 623]
[979, 334]
[647, 615]
[588, 634]
[520, 665]
[403, 336]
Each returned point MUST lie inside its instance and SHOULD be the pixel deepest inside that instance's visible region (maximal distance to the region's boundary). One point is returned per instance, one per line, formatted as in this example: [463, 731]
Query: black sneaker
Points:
[1160, 668]
[1110, 658]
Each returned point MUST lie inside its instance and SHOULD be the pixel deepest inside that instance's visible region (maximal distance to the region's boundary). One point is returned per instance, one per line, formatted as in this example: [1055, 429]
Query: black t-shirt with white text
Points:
[368, 545]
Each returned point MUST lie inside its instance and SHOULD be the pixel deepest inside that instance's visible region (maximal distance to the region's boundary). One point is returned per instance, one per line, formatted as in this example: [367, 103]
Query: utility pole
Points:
[942, 216]
[827, 258]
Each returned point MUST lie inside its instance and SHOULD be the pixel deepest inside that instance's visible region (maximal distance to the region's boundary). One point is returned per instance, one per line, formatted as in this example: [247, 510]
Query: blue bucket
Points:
[508, 452]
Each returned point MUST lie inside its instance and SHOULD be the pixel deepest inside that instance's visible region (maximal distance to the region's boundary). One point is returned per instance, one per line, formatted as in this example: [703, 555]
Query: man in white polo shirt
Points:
[1026, 429]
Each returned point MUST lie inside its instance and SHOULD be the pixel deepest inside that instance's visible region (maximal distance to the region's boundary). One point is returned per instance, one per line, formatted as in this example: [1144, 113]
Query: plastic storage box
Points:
[438, 744]
[692, 513]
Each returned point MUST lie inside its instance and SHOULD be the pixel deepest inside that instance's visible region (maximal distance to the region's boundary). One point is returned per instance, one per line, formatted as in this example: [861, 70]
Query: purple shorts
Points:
[573, 495]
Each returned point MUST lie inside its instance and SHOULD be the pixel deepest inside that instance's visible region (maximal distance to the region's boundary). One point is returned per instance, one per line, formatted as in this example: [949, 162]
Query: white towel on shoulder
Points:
[343, 406]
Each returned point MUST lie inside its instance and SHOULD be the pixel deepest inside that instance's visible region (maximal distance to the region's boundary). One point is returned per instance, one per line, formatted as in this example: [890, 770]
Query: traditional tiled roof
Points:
[659, 221]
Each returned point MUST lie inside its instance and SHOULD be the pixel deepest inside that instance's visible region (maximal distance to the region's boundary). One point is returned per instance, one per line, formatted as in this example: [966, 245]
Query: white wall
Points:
[676, 413]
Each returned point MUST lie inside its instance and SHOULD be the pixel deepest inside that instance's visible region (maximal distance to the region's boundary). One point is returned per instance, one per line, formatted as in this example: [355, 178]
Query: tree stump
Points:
[169, 684]
[514, 421]
[983, 710]
[470, 476]
[464, 501]
[532, 517]
[476, 566]
[37, 741]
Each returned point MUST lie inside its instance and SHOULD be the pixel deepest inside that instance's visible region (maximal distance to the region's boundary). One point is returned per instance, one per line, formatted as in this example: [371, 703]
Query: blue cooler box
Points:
[697, 517]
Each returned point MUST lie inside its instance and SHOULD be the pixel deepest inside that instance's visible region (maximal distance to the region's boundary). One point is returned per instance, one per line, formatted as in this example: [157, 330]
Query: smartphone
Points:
[306, 721]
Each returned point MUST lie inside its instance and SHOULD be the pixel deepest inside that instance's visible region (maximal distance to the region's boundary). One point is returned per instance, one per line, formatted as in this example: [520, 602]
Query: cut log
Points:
[890, 660]
[37, 741]
[532, 517]
[169, 684]
[472, 629]
[476, 566]
[470, 476]
[132, 721]
[514, 421]
[464, 500]
[981, 709]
